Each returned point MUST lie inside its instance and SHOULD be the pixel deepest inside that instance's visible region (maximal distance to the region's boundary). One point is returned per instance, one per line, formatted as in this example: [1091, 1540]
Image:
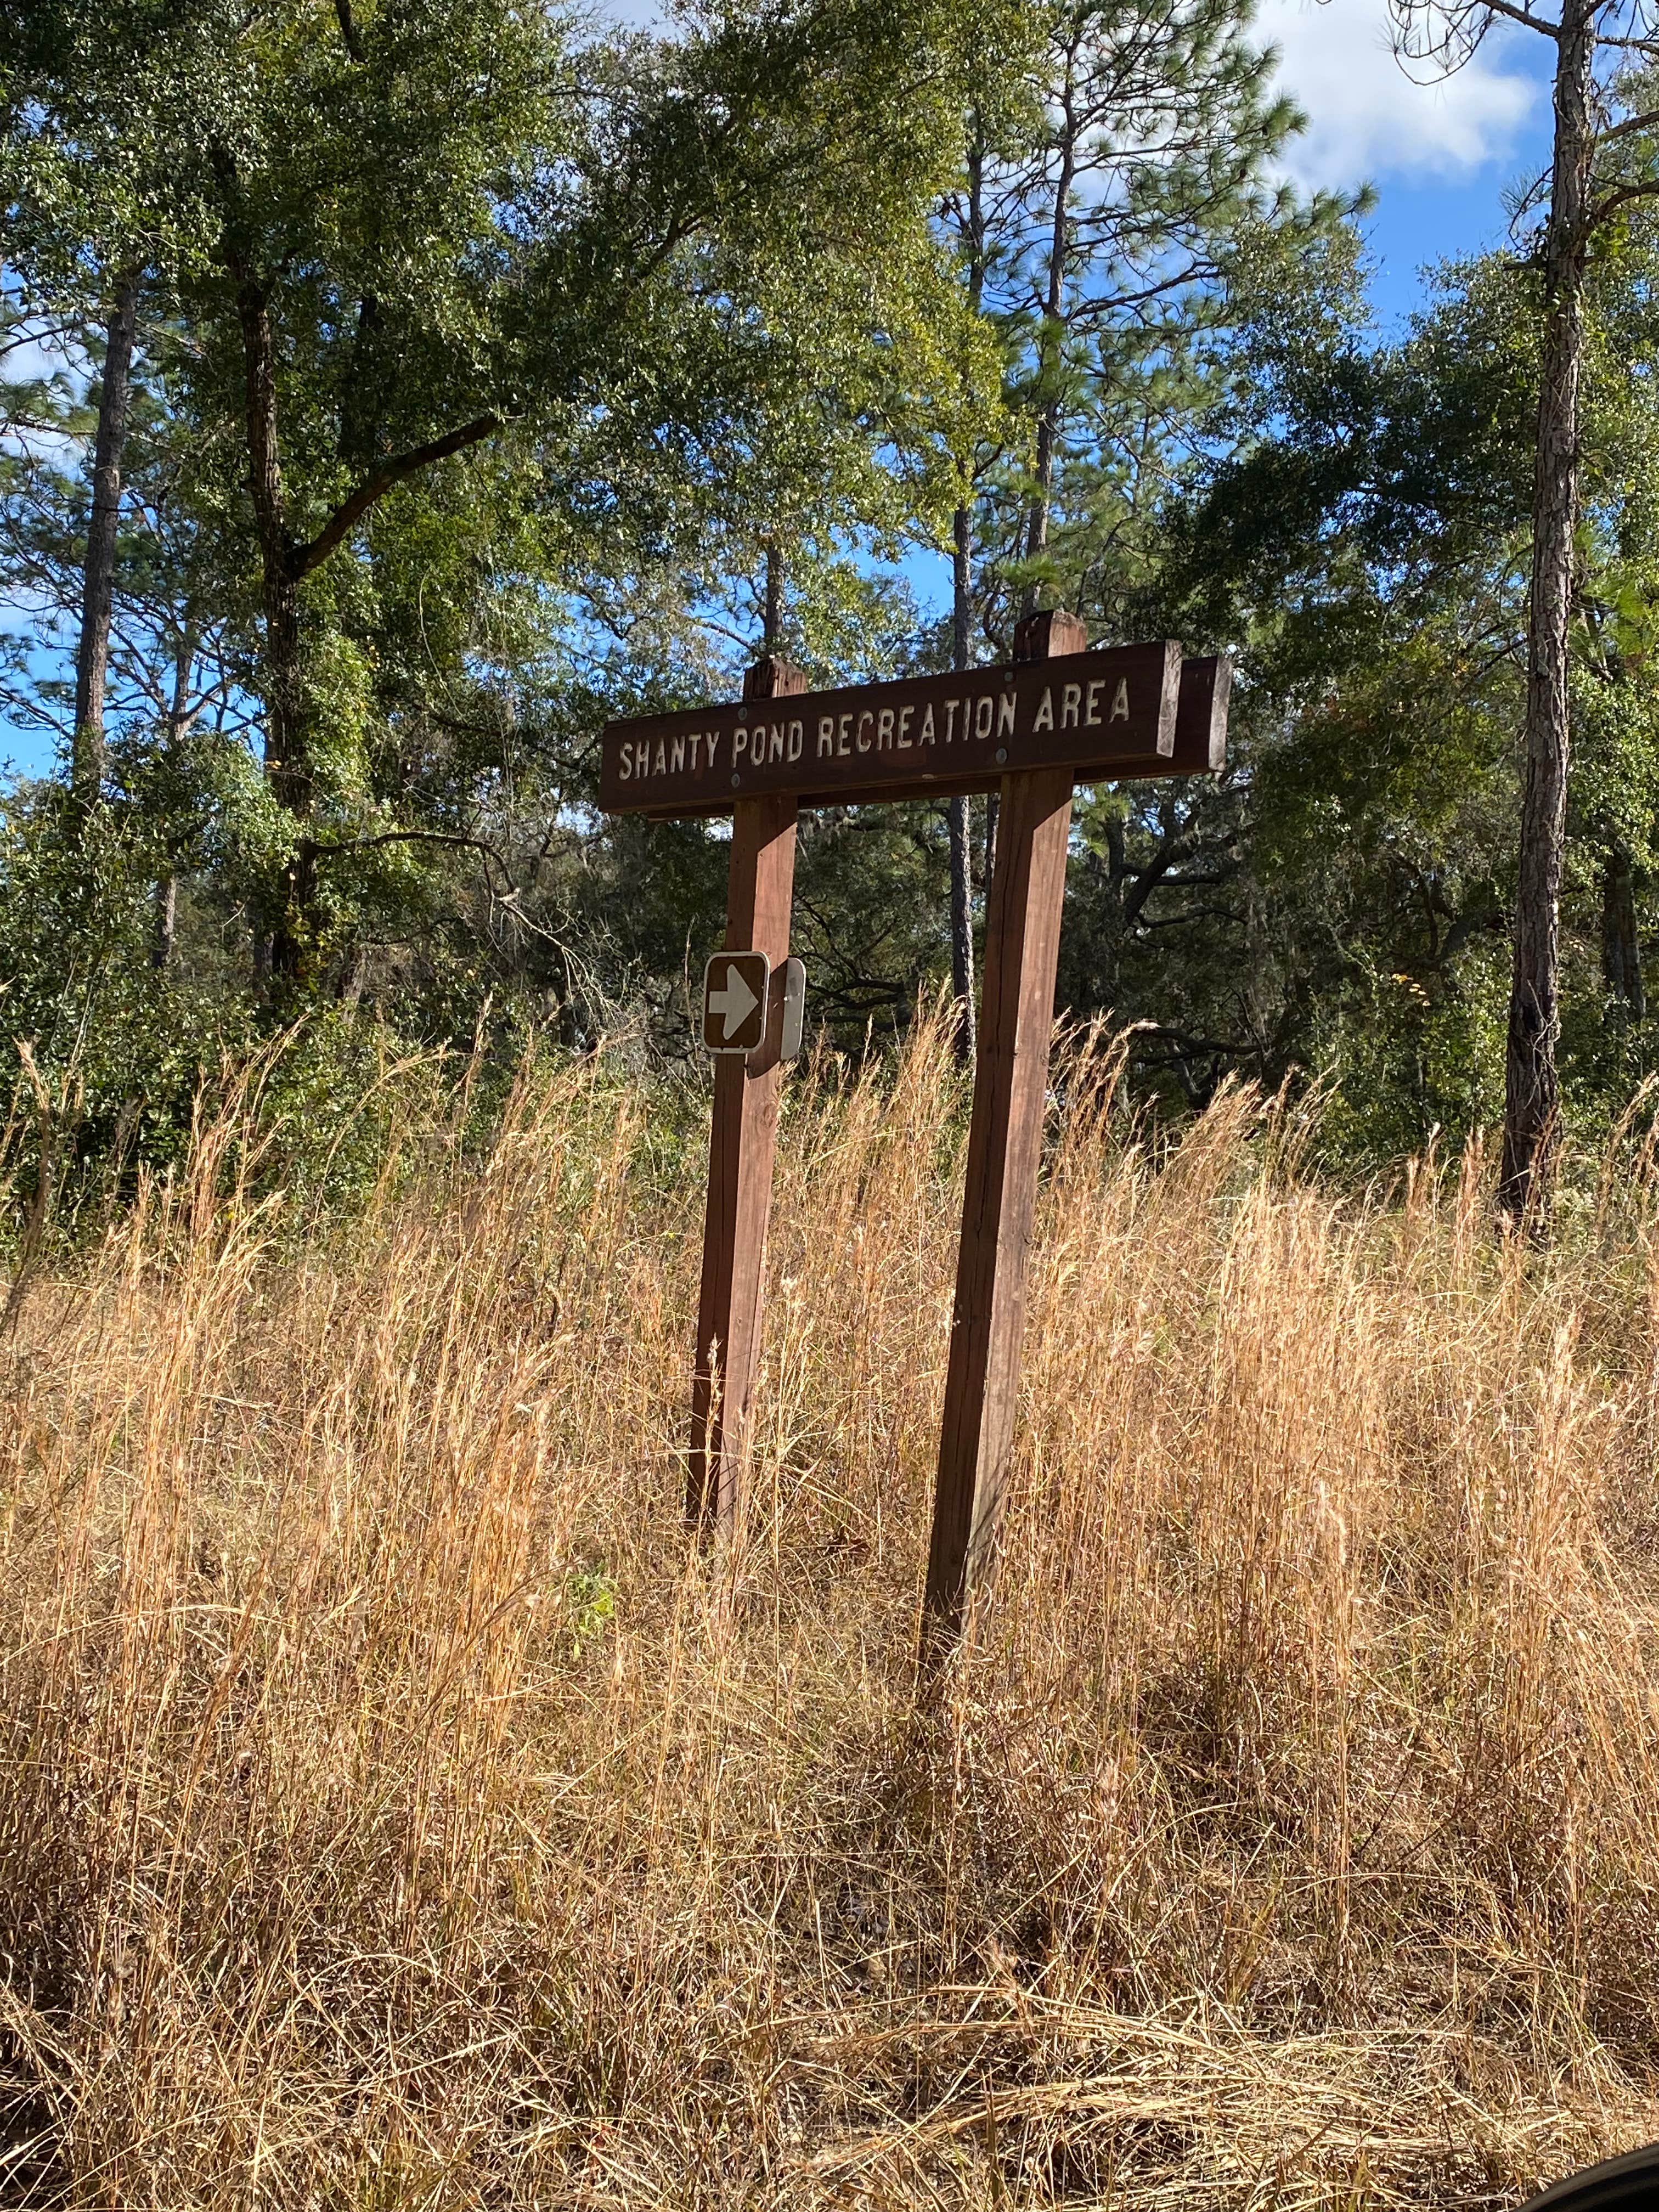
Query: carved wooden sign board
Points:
[1057, 715]
[1123, 711]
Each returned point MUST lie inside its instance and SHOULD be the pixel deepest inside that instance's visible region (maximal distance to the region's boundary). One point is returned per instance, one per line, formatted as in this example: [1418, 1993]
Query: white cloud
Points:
[1367, 119]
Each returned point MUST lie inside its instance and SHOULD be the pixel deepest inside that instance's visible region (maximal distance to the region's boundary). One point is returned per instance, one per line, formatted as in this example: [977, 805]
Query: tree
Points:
[97, 600]
[83, 214]
[1596, 168]
[1115, 216]
[1000, 127]
[1362, 539]
[576, 264]
[1118, 223]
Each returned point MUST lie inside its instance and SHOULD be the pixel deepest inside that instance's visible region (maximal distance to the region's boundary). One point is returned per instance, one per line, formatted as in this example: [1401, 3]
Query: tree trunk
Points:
[1037, 527]
[87, 756]
[962, 888]
[164, 944]
[959, 811]
[279, 950]
[962, 930]
[166, 922]
[1117, 874]
[1047, 428]
[1621, 950]
[285, 762]
[1532, 1106]
[772, 617]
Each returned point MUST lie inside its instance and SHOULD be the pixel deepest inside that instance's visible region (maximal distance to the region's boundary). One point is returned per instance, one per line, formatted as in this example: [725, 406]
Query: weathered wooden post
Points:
[760, 890]
[1004, 1142]
[1027, 731]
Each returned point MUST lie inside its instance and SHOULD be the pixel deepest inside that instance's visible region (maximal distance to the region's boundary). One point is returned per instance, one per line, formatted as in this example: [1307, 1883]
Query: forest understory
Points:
[397, 1810]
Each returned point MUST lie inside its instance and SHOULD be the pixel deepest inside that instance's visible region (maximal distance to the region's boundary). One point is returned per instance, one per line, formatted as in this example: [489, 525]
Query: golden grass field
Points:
[397, 1812]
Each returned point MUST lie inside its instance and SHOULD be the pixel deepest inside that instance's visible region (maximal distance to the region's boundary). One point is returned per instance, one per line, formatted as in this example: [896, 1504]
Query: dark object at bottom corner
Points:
[1622, 2184]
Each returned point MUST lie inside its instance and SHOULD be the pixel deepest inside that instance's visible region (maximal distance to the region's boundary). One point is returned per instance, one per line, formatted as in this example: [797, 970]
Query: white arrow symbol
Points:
[737, 1001]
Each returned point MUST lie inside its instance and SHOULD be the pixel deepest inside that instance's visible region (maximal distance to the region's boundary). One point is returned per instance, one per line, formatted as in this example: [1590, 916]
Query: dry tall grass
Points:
[395, 1814]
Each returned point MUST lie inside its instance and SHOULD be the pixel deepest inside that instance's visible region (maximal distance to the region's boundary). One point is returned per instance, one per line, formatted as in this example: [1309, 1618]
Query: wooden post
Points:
[1004, 1142]
[759, 892]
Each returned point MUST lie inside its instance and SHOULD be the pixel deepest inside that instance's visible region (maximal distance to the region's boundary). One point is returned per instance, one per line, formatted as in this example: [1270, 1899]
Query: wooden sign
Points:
[1058, 715]
[1098, 714]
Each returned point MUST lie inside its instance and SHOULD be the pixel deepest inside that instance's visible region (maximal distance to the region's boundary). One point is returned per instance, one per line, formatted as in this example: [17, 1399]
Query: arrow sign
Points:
[735, 1003]
[734, 998]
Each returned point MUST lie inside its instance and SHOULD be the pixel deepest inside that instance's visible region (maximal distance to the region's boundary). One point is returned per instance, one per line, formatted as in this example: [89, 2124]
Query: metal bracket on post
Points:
[792, 1021]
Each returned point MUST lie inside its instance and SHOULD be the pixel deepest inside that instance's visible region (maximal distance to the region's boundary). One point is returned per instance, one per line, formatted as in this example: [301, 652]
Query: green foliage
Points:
[1365, 541]
[1408, 1056]
[497, 375]
[590, 1599]
[104, 1051]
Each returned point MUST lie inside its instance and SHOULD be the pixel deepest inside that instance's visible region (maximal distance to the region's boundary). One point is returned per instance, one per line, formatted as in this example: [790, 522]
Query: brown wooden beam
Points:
[759, 892]
[1011, 1081]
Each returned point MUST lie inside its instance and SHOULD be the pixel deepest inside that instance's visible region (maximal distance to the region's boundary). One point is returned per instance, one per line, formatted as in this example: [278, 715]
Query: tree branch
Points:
[1523, 15]
[374, 488]
[1614, 201]
[338, 845]
[1147, 879]
[1644, 121]
[354, 45]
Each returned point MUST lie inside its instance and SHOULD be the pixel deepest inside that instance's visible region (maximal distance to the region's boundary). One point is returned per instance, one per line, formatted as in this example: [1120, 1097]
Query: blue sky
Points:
[1440, 156]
